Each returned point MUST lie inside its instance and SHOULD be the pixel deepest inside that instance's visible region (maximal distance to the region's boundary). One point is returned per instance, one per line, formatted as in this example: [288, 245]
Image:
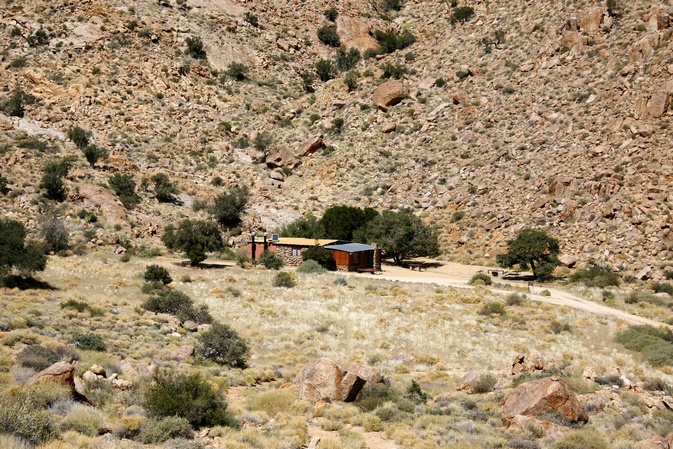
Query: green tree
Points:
[224, 346]
[328, 35]
[238, 71]
[195, 47]
[52, 180]
[157, 273]
[462, 14]
[194, 238]
[344, 60]
[400, 235]
[308, 227]
[325, 69]
[270, 260]
[79, 136]
[92, 153]
[531, 248]
[15, 105]
[229, 206]
[340, 222]
[164, 189]
[319, 254]
[125, 188]
[331, 14]
[16, 252]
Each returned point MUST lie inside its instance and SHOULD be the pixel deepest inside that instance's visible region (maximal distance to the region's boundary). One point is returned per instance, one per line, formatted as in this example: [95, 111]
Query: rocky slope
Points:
[541, 114]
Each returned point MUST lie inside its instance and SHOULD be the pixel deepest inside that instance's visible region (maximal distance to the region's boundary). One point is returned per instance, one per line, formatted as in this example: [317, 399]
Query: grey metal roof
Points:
[350, 247]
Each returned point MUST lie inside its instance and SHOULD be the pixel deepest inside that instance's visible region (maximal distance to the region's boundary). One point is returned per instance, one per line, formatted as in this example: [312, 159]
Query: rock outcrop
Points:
[324, 379]
[388, 94]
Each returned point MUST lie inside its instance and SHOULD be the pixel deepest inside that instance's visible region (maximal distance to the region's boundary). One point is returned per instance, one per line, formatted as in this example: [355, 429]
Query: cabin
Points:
[347, 256]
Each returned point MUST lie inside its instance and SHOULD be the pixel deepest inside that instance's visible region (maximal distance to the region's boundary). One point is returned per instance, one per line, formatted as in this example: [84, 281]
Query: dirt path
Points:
[451, 274]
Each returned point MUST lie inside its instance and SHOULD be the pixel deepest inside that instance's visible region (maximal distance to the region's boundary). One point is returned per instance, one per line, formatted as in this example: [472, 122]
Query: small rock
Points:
[388, 128]
[191, 326]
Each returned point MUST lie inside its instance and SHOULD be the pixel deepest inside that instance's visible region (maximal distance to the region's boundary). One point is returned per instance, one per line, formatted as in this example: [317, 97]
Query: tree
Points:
[55, 234]
[164, 189]
[15, 105]
[340, 222]
[345, 60]
[92, 153]
[324, 69]
[228, 207]
[79, 136]
[270, 260]
[224, 346]
[195, 47]
[238, 71]
[52, 180]
[328, 35]
[308, 227]
[321, 255]
[125, 188]
[15, 252]
[400, 235]
[531, 248]
[194, 238]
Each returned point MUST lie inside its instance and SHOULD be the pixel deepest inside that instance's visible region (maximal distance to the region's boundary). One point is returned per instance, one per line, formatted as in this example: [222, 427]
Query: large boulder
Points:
[658, 103]
[388, 94]
[355, 32]
[324, 379]
[281, 157]
[61, 373]
[312, 145]
[591, 18]
[536, 398]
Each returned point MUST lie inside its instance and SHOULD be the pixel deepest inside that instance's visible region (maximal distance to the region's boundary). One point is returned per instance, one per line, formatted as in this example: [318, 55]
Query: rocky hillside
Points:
[546, 114]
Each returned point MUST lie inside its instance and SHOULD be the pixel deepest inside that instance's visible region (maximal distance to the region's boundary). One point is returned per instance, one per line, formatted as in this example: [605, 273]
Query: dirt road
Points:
[452, 274]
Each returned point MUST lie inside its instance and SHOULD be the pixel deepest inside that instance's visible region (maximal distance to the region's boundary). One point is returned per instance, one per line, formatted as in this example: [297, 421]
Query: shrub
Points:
[56, 236]
[610, 379]
[655, 384]
[39, 37]
[164, 189]
[557, 327]
[484, 278]
[345, 60]
[492, 307]
[284, 279]
[79, 136]
[462, 14]
[179, 304]
[125, 188]
[337, 125]
[485, 384]
[81, 306]
[187, 396]
[194, 238]
[328, 35]
[83, 419]
[92, 154]
[251, 19]
[157, 273]
[390, 42]
[52, 180]
[238, 71]
[331, 14]
[351, 80]
[340, 280]
[15, 252]
[392, 5]
[394, 71]
[514, 299]
[440, 82]
[23, 414]
[156, 431]
[3, 185]
[656, 345]
[595, 276]
[15, 105]
[324, 69]
[545, 293]
[415, 393]
[587, 438]
[319, 254]
[195, 47]
[311, 267]
[228, 207]
[89, 342]
[662, 287]
[270, 260]
[37, 357]
[88, 217]
[224, 346]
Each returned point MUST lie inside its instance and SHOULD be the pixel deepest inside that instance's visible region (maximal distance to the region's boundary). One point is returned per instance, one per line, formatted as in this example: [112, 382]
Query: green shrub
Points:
[79, 136]
[545, 292]
[375, 395]
[331, 14]
[195, 47]
[89, 342]
[319, 254]
[23, 411]
[157, 273]
[484, 384]
[656, 345]
[311, 267]
[83, 419]
[187, 396]
[663, 287]
[224, 346]
[462, 14]
[81, 306]
[587, 438]
[179, 304]
[325, 69]
[15, 252]
[93, 154]
[164, 189]
[392, 5]
[394, 71]
[284, 279]
[39, 37]
[557, 327]
[492, 307]
[156, 431]
[15, 105]
[270, 260]
[229, 206]
[351, 80]
[514, 299]
[595, 276]
[345, 60]
[251, 19]
[3, 185]
[390, 42]
[337, 125]
[415, 393]
[440, 82]
[194, 238]
[88, 217]
[340, 280]
[484, 278]
[37, 357]
[125, 188]
[52, 180]
[610, 379]
[238, 71]
[328, 35]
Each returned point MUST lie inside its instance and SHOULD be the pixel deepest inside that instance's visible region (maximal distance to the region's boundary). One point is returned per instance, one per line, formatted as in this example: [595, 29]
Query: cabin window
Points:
[296, 252]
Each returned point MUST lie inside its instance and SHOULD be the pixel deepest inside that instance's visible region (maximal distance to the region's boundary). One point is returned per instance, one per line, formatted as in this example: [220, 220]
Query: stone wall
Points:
[285, 253]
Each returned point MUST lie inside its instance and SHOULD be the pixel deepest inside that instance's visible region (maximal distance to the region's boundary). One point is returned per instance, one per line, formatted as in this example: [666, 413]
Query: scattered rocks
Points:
[529, 363]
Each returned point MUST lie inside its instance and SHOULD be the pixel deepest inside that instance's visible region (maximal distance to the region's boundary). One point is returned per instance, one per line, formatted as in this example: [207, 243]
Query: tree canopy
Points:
[307, 226]
[400, 235]
[194, 238]
[15, 252]
[532, 249]
[340, 222]
[229, 206]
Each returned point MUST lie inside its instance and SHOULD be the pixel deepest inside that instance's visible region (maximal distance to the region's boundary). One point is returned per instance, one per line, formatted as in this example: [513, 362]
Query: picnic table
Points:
[420, 266]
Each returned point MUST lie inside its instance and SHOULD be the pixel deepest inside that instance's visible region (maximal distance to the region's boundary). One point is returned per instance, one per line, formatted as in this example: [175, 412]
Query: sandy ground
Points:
[451, 274]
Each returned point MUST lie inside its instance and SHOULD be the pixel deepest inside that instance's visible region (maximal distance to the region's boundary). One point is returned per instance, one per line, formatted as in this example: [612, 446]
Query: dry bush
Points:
[83, 419]
[274, 402]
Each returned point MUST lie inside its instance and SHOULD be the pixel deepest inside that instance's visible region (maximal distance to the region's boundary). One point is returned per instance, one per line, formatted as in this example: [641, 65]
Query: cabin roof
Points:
[350, 247]
[294, 241]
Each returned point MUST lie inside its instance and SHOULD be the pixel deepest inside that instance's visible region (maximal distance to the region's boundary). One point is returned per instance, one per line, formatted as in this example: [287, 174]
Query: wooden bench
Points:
[420, 266]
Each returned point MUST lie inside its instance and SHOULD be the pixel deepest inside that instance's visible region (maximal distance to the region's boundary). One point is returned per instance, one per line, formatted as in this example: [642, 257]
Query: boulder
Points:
[313, 145]
[98, 370]
[658, 103]
[183, 352]
[388, 94]
[190, 325]
[281, 157]
[531, 362]
[470, 379]
[355, 32]
[644, 274]
[388, 128]
[536, 398]
[324, 379]
[591, 18]
[655, 442]
[61, 373]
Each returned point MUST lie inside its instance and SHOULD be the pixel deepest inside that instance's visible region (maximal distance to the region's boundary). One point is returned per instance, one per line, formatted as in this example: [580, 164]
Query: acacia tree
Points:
[340, 222]
[194, 238]
[400, 235]
[307, 226]
[15, 252]
[532, 249]
[229, 206]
